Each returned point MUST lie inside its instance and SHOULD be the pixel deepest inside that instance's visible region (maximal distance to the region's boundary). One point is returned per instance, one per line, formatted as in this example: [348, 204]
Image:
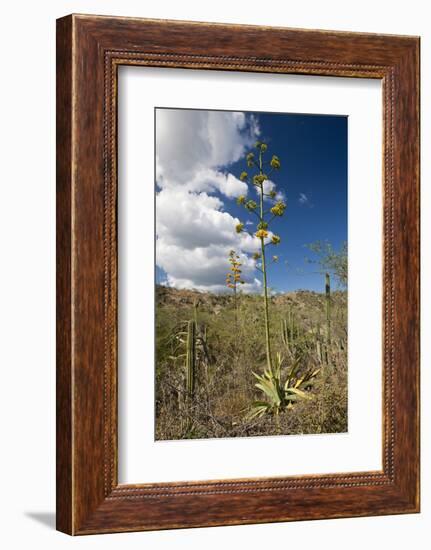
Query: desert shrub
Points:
[225, 386]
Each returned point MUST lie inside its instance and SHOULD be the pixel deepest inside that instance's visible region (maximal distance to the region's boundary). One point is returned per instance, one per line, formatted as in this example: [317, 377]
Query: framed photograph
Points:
[237, 274]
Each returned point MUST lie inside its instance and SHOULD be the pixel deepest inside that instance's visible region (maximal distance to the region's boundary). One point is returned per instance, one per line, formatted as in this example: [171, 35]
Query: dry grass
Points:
[230, 349]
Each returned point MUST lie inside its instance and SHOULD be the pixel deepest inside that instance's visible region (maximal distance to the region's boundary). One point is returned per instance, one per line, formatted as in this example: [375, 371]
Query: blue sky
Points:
[200, 155]
[313, 176]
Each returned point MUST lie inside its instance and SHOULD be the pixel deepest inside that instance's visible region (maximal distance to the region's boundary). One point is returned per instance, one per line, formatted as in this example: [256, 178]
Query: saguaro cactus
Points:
[284, 332]
[328, 308]
[292, 324]
[190, 358]
[195, 313]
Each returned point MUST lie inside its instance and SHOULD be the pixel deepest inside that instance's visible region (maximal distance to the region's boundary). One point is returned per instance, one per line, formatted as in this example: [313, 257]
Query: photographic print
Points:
[251, 274]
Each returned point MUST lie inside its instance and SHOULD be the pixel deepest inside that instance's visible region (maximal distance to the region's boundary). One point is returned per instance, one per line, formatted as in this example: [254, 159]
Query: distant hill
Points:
[309, 306]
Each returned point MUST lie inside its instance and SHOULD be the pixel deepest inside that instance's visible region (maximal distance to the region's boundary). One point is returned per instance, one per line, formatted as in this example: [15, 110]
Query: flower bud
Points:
[251, 205]
[278, 209]
[275, 162]
[259, 179]
[261, 234]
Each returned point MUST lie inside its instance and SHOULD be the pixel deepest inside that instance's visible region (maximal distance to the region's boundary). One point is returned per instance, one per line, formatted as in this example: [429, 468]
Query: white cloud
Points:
[192, 220]
[192, 142]
[202, 268]
[194, 150]
[212, 180]
[304, 200]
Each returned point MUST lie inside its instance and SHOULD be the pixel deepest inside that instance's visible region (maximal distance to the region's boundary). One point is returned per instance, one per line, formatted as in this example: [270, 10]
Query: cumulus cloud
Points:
[191, 144]
[194, 150]
[212, 180]
[192, 220]
[202, 268]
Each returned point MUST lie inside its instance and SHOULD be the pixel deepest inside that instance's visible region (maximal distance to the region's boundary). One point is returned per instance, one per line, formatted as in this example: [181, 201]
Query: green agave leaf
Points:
[292, 372]
[260, 408]
[260, 404]
[258, 376]
[311, 374]
[268, 374]
[270, 391]
[300, 393]
[260, 413]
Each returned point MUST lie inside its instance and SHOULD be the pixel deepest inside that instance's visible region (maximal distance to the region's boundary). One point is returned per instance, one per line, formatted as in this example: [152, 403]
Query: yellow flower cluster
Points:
[243, 176]
[275, 239]
[261, 234]
[233, 277]
[239, 227]
[275, 162]
[278, 209]
[250, 159]
[258, 179]
[240, 200]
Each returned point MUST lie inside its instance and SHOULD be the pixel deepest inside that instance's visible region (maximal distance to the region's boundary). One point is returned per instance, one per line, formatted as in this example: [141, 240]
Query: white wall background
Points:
[27, 280]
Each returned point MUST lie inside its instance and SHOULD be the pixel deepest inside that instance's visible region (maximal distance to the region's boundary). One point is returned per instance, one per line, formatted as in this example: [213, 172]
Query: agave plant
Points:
[279, 395]
[258, 178]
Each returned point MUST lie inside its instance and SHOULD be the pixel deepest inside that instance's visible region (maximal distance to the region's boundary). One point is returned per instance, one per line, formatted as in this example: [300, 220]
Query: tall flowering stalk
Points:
[260, 171]
[233, 276]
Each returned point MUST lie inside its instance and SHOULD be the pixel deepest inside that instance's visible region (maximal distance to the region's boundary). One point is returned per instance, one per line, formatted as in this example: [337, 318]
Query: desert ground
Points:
[210, 355]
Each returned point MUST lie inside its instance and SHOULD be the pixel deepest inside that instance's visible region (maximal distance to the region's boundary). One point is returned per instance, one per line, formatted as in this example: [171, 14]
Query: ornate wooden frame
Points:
[89, 51]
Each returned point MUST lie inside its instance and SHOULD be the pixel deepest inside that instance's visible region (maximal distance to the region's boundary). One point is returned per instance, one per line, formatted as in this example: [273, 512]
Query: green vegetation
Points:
[330, 260]
[226, 355]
